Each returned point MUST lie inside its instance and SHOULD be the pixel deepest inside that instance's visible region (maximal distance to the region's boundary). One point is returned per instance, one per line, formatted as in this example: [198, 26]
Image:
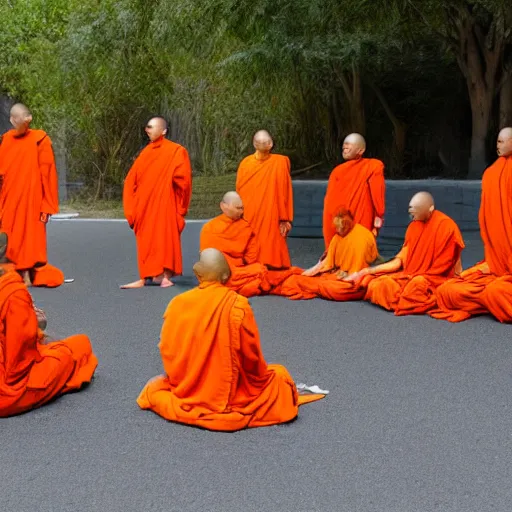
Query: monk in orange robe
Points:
[156, 197]
[430, 256]
[215, 374]
[357, 185]
[352, 248]
[28, 197]
[233, 236]
[264, 183]
[33, 372]
[487, 286]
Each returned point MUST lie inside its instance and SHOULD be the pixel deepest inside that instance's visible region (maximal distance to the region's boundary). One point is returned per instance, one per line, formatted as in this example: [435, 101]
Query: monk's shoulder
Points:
[281, 160]
[374, 165]
[246, 161]
[447, 222]
[241, 306]
[174, 147]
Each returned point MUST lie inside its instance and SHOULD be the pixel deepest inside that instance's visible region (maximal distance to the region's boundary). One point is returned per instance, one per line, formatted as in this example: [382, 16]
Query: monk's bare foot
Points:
[26, 278]
[136, 284]
[166, 282]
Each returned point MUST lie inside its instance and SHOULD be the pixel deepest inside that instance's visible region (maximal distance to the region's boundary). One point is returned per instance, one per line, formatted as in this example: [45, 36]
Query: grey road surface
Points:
[418, 418]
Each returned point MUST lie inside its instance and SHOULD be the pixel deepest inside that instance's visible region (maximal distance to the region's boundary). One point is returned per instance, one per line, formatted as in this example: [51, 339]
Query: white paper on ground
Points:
[312, 389]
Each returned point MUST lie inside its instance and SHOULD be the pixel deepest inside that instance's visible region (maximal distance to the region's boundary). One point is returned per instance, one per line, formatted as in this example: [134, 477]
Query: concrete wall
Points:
[458, 199]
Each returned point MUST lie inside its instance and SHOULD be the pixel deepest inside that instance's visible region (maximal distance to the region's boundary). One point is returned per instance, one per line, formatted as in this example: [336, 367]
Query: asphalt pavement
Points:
[418, 417]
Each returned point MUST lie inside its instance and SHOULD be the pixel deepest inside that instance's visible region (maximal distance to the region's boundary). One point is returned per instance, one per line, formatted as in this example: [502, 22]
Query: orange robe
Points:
[487, 286]
[351, 253]
[265, 187]
[358, 186]
[156, 198]
[215, 374]
[32, 373]
[429, 257]
[29, 188]
[237, 241]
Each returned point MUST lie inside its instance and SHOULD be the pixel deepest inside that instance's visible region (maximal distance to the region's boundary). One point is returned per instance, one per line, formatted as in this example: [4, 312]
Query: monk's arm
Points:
[251, 356]
[378, 192]
[49, 178]
[285, 196]
[129, 190]
[182, 182]
[389, 267]
[21, 335]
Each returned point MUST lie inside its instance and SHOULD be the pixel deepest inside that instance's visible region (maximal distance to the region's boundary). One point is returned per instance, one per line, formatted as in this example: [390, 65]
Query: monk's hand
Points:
[44, 217]
[357, 276]
[375, 232]
[284, 227]
[341, 274]
[313, 271]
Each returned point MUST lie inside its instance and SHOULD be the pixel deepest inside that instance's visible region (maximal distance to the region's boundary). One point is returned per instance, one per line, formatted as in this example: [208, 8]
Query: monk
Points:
[430, 256]
[358, 185]
[264, 183]
[233, 236]
[487, 286]
[352, 248]
[28, 197]
[156, 197]
[33, 372]
[215, 374]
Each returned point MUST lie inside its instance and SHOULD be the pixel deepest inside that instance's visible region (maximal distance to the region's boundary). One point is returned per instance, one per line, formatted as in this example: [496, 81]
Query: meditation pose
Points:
[28, 197]
[357, 185]
[233, 236]
[33, 372]
[264, 183]
[215, 374]
[156, 197]
[487, 286]
[352, 248]
[430, 256]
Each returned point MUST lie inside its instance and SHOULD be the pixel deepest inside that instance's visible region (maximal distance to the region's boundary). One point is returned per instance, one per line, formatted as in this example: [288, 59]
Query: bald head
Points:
[20, 118]
[156, 128]
[354, 146]
[232, 205]
[262, 142]
[212, 267]
[504, 143]
[421, 206]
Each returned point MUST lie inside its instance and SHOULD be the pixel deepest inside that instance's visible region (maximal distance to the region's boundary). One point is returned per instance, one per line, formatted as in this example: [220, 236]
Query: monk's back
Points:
[228, 236]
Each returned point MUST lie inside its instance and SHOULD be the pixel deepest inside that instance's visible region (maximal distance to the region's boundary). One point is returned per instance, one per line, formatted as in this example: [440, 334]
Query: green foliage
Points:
[310, 71]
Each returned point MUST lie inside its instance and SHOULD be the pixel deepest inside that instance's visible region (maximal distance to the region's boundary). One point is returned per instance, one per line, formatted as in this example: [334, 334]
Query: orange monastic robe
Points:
[32, 373]
[29, 188]
[156, 197]
[358, 186]
[215, 374]
[351, 253]
[265, 187]
[429, 256]
[487, 286]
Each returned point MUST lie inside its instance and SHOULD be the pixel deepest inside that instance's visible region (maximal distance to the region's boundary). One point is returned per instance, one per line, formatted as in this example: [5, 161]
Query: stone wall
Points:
[458, 199]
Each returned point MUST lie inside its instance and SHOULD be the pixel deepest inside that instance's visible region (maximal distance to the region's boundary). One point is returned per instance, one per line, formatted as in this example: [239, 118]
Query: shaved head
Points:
[232, 205]
[262, 142]
[212, 267]
[20, 118]
[421, 206]
[156, 128]
[504, 143]
[354, 146]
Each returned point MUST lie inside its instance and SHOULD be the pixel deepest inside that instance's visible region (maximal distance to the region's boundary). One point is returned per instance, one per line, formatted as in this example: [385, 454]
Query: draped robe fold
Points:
[265, 187]
[358, 186]
[487, 286]
[215, 374]
[32, 373]
[156, 197]
[429, 256]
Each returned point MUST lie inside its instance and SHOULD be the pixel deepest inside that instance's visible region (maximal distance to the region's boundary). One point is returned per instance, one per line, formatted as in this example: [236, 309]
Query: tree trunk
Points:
[506, 104]
[353, 89]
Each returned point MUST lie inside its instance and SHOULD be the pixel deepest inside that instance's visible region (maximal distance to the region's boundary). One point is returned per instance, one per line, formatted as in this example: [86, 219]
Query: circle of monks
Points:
[215, 375]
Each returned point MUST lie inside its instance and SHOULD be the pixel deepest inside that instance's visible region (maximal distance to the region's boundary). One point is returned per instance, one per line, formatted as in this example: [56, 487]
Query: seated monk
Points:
[352, 248]
[429, 256]
[233, 236]
[215, 374]
[487, 286]
[32, 372]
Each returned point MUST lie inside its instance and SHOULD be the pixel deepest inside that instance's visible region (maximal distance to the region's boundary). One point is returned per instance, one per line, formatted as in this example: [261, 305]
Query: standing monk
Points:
[430, 256]
[487, 286]
[357, 185]
[28, 197]
[156, 197]
[215, 374]
[265, 186]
